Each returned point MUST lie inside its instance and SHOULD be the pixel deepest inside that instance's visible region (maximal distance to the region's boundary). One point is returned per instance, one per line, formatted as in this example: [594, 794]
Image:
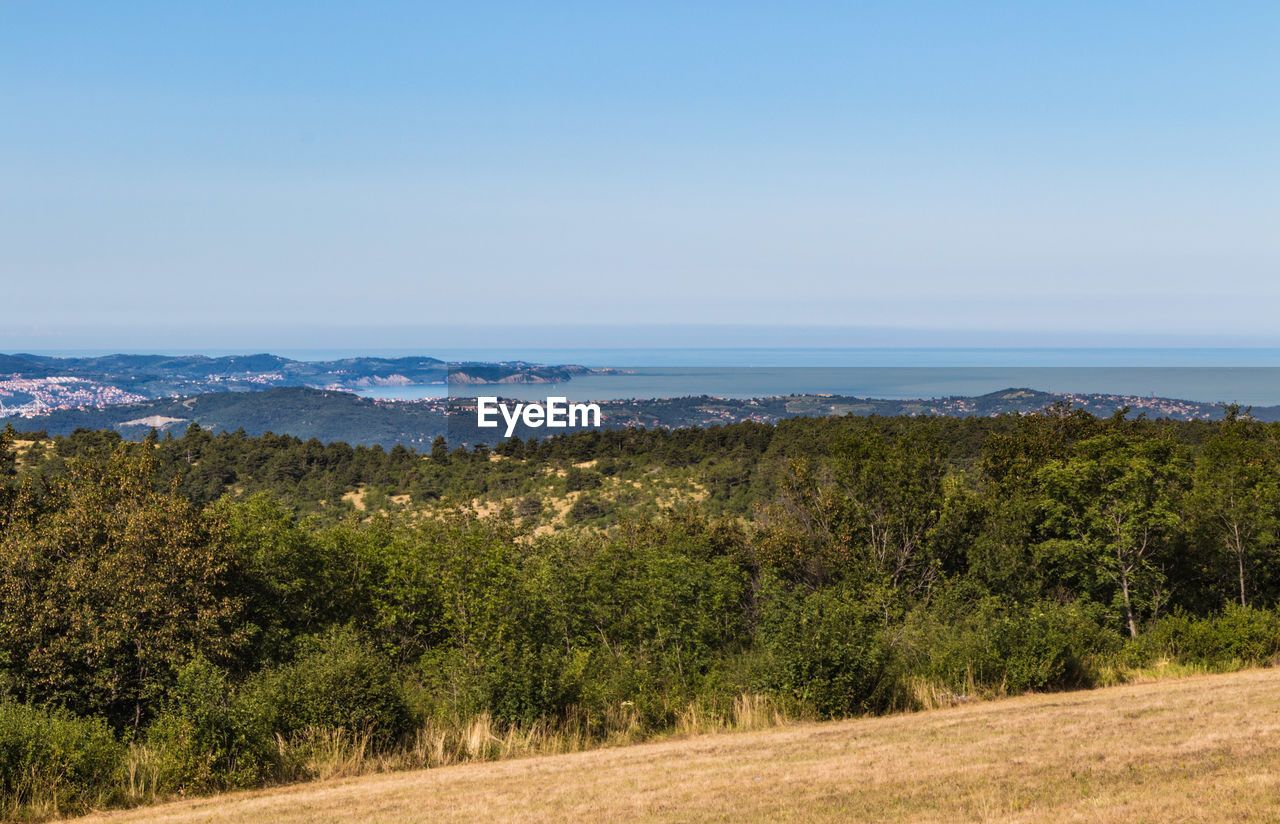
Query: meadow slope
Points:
[1203, 748]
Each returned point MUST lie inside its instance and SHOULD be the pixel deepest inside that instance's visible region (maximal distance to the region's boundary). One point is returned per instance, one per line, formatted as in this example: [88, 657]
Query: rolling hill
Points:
[294, 410]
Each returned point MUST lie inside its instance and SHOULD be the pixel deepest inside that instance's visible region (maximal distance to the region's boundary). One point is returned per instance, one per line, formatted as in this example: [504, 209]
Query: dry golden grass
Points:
[356, 498]
[20, 451]
[1204, 748]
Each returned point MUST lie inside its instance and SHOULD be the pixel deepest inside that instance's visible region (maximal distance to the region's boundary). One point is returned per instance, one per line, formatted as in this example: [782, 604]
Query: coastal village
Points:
[28, 397]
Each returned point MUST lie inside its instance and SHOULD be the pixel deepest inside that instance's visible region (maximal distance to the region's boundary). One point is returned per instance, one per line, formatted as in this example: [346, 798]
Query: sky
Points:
[386, 174]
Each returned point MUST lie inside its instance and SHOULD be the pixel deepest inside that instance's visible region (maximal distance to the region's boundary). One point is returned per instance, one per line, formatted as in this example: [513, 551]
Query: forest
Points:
[189, 614]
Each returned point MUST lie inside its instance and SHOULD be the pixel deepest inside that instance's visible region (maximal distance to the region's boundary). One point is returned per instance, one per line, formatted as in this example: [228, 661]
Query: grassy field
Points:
[1202, 748]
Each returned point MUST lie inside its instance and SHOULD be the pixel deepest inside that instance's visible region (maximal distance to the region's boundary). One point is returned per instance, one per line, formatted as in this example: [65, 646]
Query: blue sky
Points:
[319, 174]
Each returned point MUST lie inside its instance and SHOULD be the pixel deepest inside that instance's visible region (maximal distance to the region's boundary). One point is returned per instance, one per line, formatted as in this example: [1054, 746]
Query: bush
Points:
[337, 682]
[205, 739]
[1048, 646]
[828, 649]
[53, 761]
[1234, 637]
[586, 508]
[577, 478]
[1014, 648]
[530, 506]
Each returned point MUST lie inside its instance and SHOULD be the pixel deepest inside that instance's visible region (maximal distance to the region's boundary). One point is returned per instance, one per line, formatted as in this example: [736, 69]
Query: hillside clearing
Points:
[1204, 748]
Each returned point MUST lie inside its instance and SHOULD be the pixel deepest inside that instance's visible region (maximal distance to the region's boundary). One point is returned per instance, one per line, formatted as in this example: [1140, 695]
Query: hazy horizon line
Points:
[298, 337]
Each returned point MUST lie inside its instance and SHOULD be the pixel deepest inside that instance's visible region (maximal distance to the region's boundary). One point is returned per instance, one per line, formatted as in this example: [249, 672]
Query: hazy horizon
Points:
[364, 339]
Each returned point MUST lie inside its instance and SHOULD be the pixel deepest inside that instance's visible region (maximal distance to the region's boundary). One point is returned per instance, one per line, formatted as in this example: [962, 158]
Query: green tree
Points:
[1002, 556]
[1111, 513]
[8, 468]
[1236, 502]
[868, 511]
[109, 586]
[8, 461]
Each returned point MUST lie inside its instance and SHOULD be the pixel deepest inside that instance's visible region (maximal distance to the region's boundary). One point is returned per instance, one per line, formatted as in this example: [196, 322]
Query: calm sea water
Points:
[1253, 386]
[1248, 385]
[1246, 376]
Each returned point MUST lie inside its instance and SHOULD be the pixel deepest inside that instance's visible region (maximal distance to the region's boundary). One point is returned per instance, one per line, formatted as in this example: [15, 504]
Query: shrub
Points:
[586, 508]
[1014, 647]
[53, 761]
[577, 478]
[337, 681]
[828, 649]
[205, 739]
[1047, 646]
[1237, 635]
[529, 506]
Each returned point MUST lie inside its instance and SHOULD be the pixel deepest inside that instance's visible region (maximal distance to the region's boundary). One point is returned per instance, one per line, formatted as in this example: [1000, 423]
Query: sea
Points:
[1248, 376]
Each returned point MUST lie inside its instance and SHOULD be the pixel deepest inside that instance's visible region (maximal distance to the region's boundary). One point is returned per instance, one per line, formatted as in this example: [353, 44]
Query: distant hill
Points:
[298, 411]
[159, 376]
[330, 415]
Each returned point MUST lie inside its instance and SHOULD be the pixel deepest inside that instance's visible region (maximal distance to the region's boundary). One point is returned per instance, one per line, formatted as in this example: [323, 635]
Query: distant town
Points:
[28, 397]
[34, 385]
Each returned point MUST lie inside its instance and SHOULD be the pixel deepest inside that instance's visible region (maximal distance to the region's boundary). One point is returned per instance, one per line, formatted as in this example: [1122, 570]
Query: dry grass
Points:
[1203, 748]
[20, 452]
[335, 753]
[484, 508]
[356, 498]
